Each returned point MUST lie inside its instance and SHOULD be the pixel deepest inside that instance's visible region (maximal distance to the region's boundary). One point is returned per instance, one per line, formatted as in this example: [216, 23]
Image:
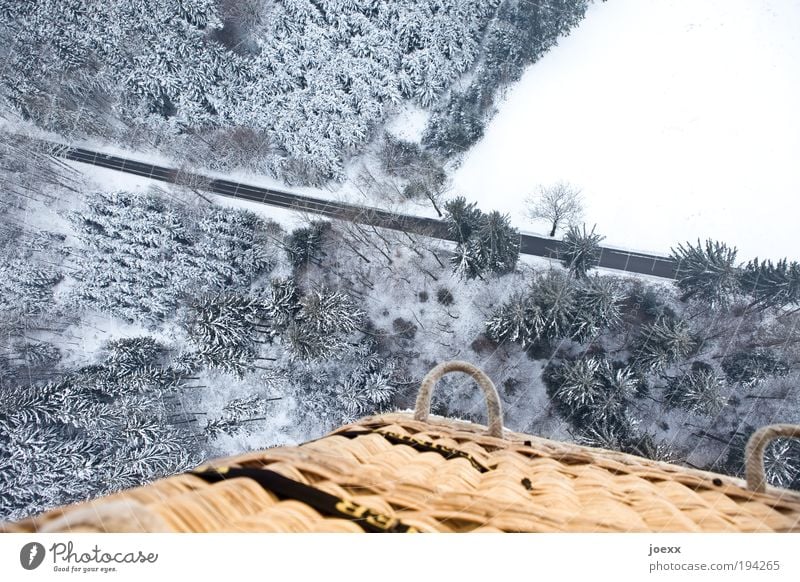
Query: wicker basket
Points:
[409, 473]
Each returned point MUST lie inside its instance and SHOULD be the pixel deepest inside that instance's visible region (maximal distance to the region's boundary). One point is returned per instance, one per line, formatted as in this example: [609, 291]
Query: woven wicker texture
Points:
[439, 475]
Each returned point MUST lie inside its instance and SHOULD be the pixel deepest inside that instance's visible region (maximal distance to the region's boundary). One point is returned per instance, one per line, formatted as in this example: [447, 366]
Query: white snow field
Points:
[679, 119]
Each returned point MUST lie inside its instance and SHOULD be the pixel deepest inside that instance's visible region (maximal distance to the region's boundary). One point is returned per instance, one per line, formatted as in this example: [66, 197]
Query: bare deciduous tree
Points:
[560, 204]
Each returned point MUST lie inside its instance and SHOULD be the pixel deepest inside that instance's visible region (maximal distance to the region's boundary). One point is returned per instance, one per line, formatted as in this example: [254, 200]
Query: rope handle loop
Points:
[754, 452]
[495, 412]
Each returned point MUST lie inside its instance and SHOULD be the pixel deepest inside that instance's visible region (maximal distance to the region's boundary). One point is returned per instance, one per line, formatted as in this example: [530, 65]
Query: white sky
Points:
[678, 118]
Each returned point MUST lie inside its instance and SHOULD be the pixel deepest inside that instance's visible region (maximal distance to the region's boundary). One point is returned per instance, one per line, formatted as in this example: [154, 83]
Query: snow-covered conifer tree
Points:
[545, 312]
[519, 319]
[236, 416]
[26, 288]
[486, 242]
[580, 251]
[322, 323]
[225, 329]
[225, 320]
[592, 392]
[326, 311]
[39, 353]
[698, 390]
[598, 301]
[771, 285]
[304, 245]
[498, 242]
[707, 272]
[362, 383]
[283, 303]
[663, 342]
[555, 294]
[751, 367]
[142, 255]
[463, 218]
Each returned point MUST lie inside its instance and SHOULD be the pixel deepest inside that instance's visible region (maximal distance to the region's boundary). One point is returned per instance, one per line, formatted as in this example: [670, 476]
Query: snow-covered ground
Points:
[678, 118]
[408, 123]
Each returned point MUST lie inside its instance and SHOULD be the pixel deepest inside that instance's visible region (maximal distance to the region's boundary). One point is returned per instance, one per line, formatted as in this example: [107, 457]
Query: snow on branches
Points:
[143, 254]
[486, 243]
[92, 431]
[706, 272]
[556, 306]
[580, 251]
[699, 390]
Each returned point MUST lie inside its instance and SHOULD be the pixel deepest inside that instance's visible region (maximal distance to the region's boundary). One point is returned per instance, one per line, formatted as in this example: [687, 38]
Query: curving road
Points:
[530, 244]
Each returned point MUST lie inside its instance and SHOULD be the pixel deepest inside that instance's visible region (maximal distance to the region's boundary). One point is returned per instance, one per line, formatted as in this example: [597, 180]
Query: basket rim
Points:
[518, 440]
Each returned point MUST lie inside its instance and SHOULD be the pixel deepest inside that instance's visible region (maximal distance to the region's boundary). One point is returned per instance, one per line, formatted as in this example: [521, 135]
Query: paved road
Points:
[530, 244]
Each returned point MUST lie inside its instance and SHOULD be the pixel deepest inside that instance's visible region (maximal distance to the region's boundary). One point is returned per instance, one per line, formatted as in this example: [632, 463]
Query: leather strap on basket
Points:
[494, 409]
[754, 452]
[324, 503]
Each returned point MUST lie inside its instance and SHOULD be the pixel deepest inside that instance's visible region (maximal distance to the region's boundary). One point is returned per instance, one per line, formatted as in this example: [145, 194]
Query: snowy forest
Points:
[292, 88]
[144, 329]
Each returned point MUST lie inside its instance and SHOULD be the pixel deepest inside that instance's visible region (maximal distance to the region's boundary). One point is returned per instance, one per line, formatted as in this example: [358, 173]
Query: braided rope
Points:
[495, 412]
[754, 452]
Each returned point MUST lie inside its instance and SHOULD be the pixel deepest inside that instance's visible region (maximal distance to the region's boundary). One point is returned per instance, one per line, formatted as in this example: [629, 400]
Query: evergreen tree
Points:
[304, 245]
[225, 320]
[25, 289]
[751, 367]
[40, 354]
[546, 311]
[329, 312]
[498, 243]
[486, 242]
[518, 319]
[283, 303]
[707, 273]
[323, 321]
[361, 384]
[90, 432]
[771, 285]
[621, 436]
[598, 302]
[236, 416]
[699, 390]
[462, 219]
[142, 254]
[556, 296]
[469, 259]
[581, 383]
[580, 251]
[592, 392]
[663, 342]
[232, 359]
[129, 355]
[225, 329]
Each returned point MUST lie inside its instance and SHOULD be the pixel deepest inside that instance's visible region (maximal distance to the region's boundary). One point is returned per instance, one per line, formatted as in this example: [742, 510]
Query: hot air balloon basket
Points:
[413, 472]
